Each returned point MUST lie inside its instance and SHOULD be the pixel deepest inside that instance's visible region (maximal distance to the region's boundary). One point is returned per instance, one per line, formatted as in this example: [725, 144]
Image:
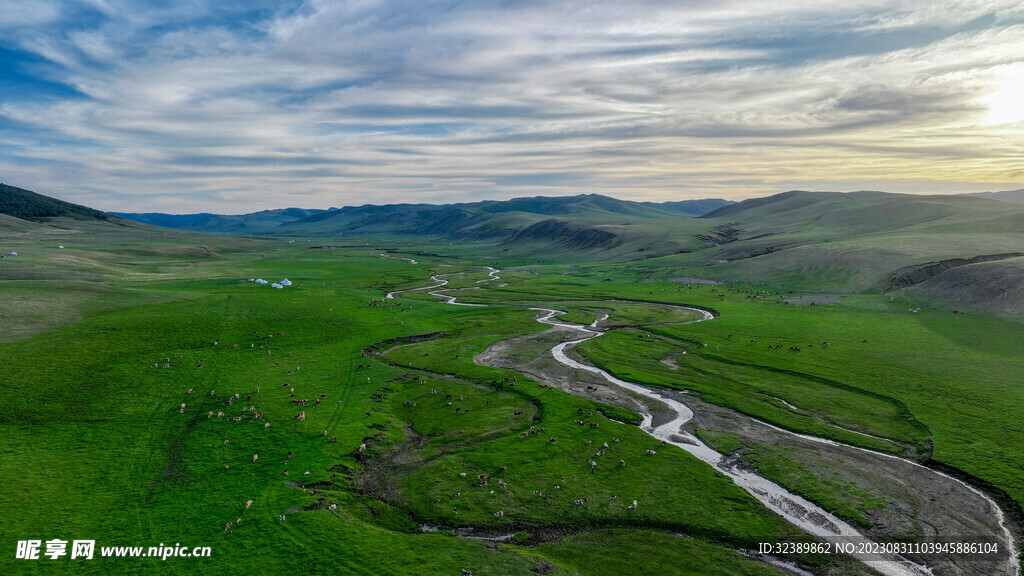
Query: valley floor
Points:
[324, 427]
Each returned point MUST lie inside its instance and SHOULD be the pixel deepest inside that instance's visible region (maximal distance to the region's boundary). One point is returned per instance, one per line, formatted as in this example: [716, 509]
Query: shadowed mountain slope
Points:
[261, 222]
[27, 205]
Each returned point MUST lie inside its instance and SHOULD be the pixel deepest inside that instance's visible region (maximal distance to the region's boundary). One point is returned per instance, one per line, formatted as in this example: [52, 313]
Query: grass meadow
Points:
[101, 438]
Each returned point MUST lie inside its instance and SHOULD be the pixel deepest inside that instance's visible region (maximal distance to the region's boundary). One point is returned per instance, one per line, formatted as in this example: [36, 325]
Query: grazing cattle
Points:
[267, 425]
[332, 507]
[255, 457]
[616, 440]
[248, 504]
[651, 452]
[362, 447]
[622, 462]
[333, 439]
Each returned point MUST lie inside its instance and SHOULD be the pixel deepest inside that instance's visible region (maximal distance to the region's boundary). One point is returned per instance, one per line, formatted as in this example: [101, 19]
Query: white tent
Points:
[276, 285]
[286, 282]
[14, 253]
[261, 281]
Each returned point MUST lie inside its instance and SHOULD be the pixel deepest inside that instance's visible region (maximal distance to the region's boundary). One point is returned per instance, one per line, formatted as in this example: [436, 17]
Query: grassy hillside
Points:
[27, 205]
[864, 241]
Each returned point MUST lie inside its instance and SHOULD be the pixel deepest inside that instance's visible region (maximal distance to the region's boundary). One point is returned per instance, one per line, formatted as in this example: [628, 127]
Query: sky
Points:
[233, 107]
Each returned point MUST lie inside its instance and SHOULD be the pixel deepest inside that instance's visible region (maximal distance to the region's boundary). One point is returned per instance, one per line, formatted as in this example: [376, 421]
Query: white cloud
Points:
[331, 102]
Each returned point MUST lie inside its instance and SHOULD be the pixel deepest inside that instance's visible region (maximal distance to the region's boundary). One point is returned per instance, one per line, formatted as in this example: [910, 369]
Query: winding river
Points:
[798, 511]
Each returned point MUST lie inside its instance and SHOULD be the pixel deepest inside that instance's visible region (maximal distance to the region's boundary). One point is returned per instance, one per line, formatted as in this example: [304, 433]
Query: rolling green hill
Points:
[27, 205]
[955, 251]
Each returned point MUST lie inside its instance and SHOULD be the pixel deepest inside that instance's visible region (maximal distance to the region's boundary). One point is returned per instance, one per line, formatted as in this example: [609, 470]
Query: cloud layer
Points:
[225, 107]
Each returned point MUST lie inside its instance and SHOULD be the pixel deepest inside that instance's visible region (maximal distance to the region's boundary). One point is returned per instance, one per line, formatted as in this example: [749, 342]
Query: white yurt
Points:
[286, 282]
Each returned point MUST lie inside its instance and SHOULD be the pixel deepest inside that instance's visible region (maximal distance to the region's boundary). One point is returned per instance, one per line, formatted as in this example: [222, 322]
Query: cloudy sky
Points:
[238, 106]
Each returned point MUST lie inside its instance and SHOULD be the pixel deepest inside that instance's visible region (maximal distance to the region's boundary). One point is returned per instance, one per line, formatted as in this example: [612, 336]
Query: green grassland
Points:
[95, 443]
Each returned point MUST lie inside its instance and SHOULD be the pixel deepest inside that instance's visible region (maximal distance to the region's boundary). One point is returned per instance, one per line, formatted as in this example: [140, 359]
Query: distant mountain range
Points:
[1014, 196]
[255, 223]
[964, 252]
[420, 218]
